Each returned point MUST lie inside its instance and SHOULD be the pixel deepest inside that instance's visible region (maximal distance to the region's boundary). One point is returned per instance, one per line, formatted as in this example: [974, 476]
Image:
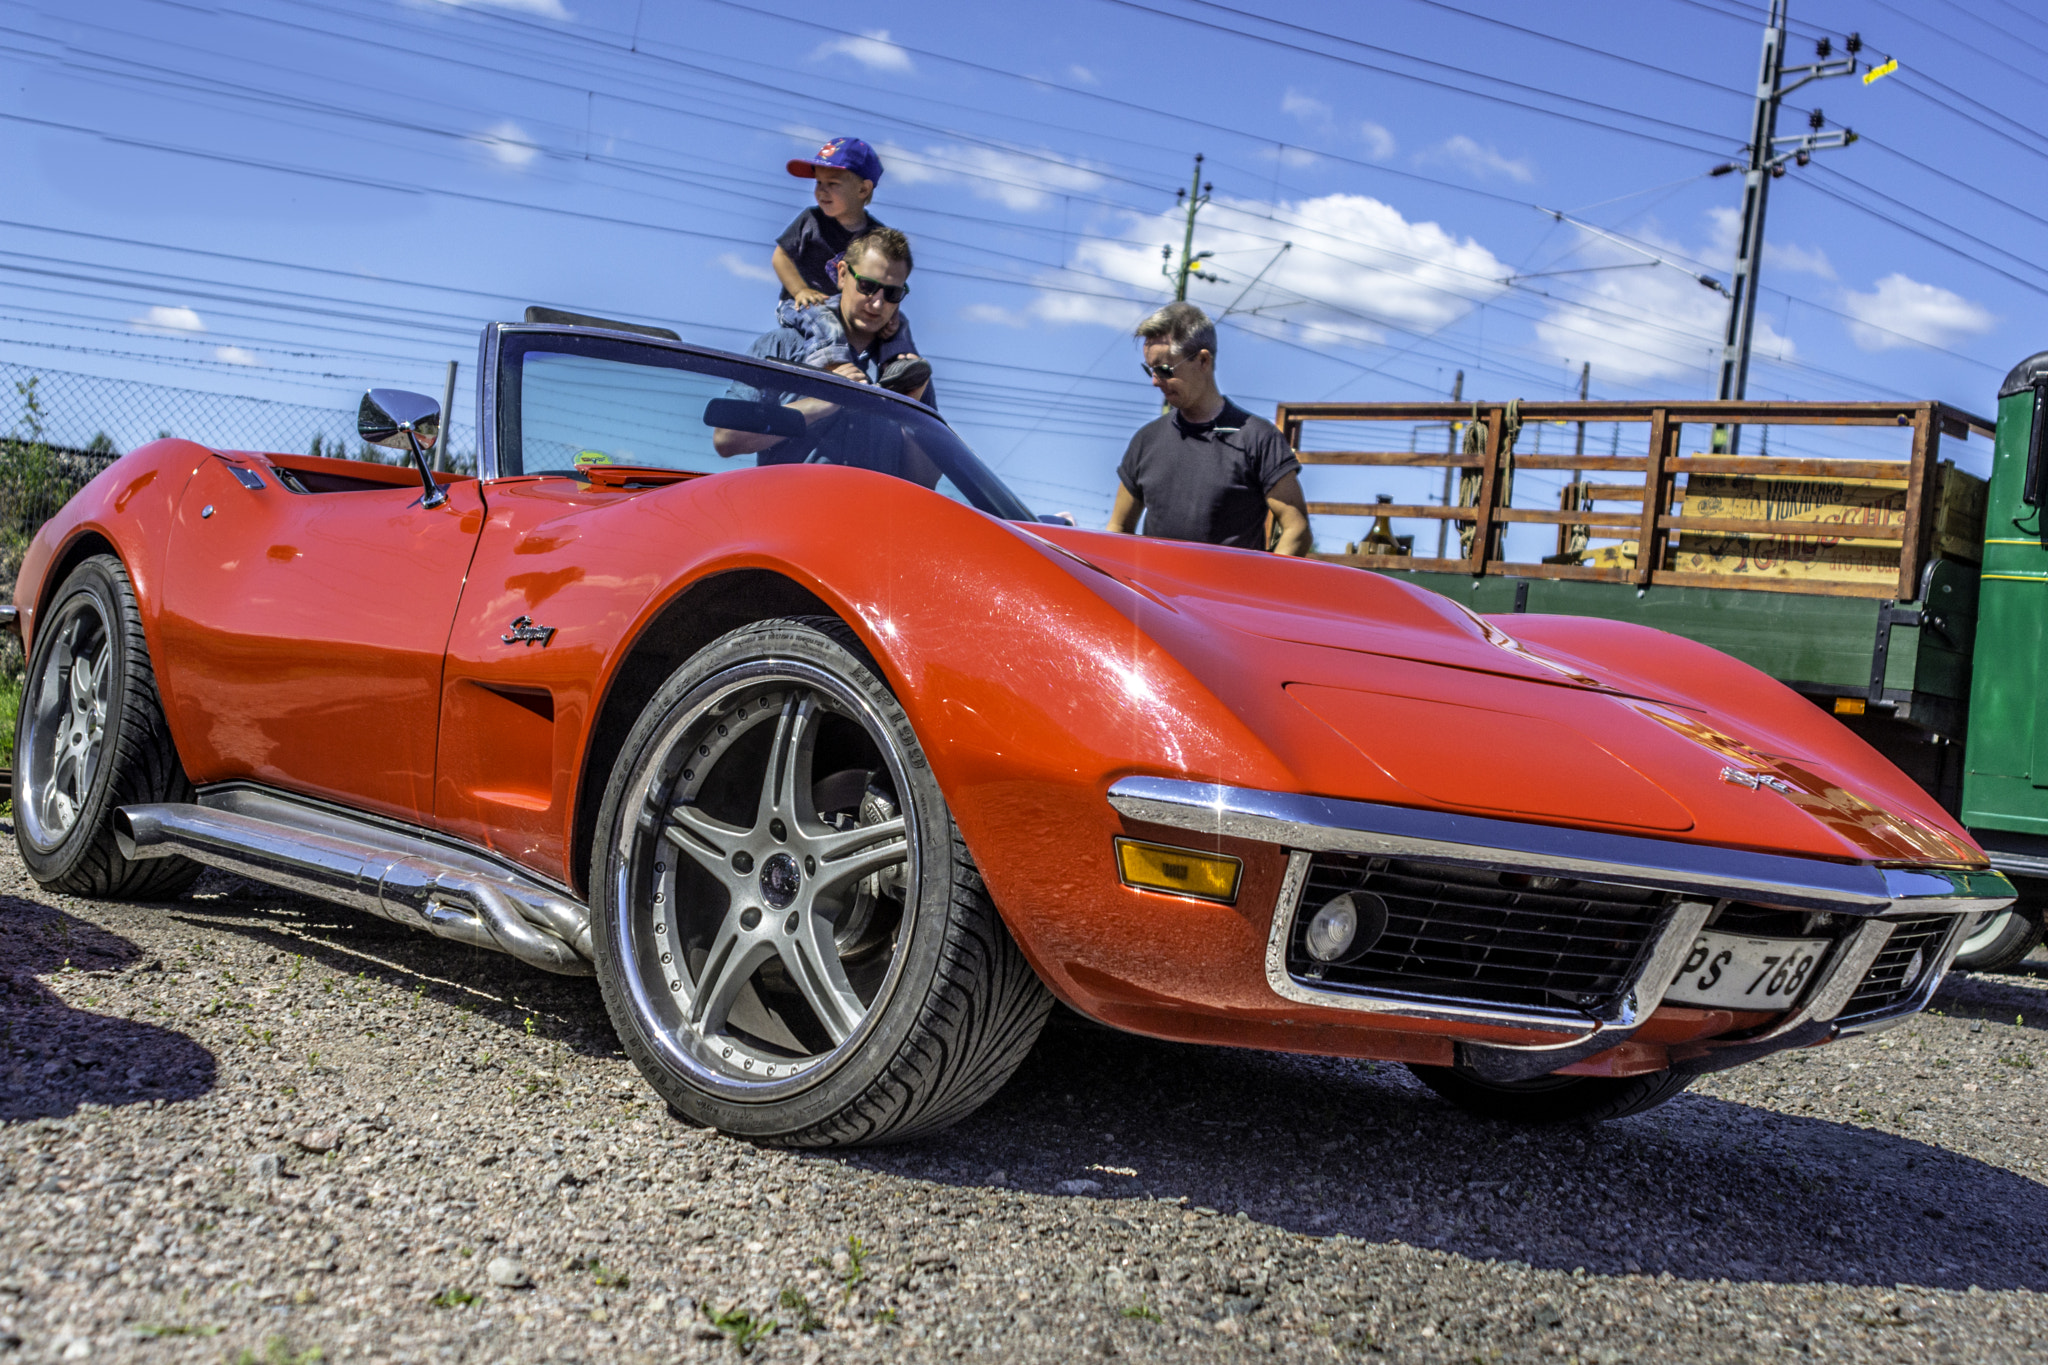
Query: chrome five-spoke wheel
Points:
[787, 926]
[65, 722]
[771, 862]
[91, 737]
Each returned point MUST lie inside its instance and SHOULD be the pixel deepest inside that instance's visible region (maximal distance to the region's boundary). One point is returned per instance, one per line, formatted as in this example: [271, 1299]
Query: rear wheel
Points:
[2005, 937]
[791, 939]
[89, 738]
[1552, 1099]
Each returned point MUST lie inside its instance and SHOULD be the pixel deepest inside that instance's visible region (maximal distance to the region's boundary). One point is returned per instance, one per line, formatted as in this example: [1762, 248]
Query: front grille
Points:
[1468, 935]
[1891, 979]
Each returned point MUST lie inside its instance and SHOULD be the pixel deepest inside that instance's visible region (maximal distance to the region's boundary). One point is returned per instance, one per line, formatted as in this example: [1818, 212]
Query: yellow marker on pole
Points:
[1875, 72]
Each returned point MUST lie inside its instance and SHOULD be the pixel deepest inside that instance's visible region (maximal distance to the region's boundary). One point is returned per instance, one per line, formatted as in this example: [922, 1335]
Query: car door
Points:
[304, 620]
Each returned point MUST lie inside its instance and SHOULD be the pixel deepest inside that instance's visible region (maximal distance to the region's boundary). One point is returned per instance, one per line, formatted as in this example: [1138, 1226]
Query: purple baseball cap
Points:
[847, 153]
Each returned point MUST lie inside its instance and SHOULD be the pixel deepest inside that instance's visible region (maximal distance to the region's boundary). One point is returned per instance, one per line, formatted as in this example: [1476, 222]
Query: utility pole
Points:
[1768, 154]
[441, 453]
[1585, 382]
[1443, 528]
[1194, 197]
[1575, 490]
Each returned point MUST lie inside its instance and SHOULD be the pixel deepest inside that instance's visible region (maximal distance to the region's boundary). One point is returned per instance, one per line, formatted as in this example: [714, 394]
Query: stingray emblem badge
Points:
[525, 632]
[1740, 778]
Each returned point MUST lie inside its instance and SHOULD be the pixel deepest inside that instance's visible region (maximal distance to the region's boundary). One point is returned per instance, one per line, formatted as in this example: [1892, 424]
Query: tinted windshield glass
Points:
[567, 402]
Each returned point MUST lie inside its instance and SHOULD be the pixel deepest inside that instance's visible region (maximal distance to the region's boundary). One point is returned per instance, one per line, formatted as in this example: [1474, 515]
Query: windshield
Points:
[567, 402]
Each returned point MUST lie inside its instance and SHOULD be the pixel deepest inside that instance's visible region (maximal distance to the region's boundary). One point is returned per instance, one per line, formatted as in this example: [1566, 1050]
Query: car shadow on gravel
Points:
[54, 1057]
[2017, 996]
[1702, 1187]
[280, 925]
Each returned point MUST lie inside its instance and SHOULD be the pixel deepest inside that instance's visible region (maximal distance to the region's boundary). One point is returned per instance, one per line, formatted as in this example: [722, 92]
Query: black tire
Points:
[89, 738]
[1552, 1099]
[2005, 937]
[840, 975]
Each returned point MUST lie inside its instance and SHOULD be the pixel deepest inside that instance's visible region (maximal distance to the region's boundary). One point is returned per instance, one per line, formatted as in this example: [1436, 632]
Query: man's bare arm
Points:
[1123, 517]
[1290, 509]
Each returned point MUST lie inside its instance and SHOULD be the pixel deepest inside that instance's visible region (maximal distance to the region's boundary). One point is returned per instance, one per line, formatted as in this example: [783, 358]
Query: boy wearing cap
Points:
[846, 170]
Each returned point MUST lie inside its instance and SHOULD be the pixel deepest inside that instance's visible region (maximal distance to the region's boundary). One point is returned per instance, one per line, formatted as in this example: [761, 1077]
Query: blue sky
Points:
[297, 198]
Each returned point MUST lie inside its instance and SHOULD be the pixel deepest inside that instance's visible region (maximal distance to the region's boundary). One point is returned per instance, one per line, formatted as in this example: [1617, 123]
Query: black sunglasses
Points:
[1166, 371]
[892, 293]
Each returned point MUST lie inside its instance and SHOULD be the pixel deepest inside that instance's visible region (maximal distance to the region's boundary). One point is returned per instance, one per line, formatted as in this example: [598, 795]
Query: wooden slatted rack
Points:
[1658, 485]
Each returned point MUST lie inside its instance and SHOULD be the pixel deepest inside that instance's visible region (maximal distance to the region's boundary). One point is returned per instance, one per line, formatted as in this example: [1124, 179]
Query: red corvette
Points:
[752, 691]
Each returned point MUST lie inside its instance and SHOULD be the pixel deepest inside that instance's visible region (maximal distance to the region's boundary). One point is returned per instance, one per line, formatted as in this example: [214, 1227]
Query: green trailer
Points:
[1854, 564]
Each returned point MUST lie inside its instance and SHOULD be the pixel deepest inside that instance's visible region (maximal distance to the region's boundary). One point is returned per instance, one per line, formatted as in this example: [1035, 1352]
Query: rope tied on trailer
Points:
[1470, 477]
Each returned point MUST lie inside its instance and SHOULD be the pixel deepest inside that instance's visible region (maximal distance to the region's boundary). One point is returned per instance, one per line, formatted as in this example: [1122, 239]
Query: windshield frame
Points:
[497, 423]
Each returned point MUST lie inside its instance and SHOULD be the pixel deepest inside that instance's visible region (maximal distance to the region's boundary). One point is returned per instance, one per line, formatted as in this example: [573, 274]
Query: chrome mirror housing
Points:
[402, 420]
[387, 416]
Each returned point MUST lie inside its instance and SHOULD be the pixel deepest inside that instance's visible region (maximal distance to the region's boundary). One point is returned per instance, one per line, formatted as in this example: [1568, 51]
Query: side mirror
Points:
[759, 419]
[399, 420]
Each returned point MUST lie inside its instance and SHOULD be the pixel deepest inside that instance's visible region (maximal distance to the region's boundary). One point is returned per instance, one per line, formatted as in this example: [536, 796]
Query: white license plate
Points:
[1731, 971]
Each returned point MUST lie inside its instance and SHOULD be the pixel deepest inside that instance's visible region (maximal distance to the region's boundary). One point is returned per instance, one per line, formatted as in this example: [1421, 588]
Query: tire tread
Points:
[981, 1010]
[143, 767]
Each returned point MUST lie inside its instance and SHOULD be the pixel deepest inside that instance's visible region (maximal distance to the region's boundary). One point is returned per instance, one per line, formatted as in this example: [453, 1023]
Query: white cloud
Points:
[1294, 158]
[546, 9]
[1017, 180]
[162, 318]
[508, 145]
[1310, 110]
[1320, 117]
[1463, 151]
[872, 50]
[1645, 324]
[1357, 267]
[1904, 312]
[234, 355]
[1726, 224]
[735, 264]
[995, 314]
[1081, 75]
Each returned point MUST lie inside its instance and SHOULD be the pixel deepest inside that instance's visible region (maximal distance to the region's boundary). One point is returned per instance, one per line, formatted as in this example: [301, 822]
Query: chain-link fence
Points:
[59, 429]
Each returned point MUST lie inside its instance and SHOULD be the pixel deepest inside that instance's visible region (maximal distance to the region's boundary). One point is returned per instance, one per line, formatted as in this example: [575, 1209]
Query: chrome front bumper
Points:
[1698, 875]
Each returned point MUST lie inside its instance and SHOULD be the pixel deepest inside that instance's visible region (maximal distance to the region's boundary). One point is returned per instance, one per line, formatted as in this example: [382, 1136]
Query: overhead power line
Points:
[1466, 74]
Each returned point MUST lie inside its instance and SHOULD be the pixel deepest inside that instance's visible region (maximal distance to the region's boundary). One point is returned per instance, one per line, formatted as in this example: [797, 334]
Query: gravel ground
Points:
[251, 1127]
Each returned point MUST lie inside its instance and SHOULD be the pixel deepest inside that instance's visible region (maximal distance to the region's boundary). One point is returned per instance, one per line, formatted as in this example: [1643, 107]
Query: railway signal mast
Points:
[1768, 156]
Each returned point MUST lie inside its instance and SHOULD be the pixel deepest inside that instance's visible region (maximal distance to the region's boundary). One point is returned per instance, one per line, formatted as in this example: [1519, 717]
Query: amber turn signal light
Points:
[1849, 706]
[1159, 867]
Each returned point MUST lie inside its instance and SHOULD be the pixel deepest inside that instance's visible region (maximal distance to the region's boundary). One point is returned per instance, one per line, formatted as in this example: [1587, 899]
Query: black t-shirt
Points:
[1207, 482]
[812, 241]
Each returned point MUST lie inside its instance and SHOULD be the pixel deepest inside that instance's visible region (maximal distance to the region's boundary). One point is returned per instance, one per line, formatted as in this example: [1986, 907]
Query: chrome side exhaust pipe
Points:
[364, 867]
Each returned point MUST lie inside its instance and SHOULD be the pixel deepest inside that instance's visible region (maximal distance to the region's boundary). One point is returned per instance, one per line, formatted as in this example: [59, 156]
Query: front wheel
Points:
[90, 737]
[1552, 1099]
[791, 939]
[2002, 939]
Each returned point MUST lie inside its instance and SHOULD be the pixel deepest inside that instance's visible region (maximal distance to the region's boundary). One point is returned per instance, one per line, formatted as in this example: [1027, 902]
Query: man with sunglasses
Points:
[1205, 470]
[858, 333]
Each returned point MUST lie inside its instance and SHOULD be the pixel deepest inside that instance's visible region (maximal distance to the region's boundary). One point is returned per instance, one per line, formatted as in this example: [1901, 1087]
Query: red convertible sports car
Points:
[750, 690]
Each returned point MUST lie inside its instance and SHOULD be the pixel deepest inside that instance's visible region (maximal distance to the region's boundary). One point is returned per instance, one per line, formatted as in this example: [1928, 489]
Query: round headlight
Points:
[1345, 926]
[1914, 966]
[1331, 930]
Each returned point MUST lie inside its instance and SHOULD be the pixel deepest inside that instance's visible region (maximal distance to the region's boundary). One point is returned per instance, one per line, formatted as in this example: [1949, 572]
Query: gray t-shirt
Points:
[1207, 482]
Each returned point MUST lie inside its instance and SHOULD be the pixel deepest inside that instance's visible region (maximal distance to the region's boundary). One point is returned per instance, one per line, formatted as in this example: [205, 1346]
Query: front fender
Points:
[130, 505]
[1033, 682]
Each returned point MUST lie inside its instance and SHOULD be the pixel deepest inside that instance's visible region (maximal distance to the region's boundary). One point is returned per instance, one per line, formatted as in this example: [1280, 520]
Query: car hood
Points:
[1631, 730]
